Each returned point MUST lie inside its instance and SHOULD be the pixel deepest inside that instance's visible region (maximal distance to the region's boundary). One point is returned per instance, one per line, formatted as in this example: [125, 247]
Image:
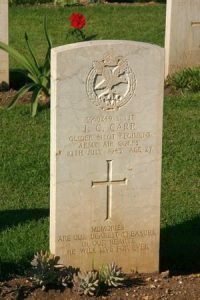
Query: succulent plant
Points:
[111, 275]
[86, 283]
[67, 275]
[44, 271]
[47, 272]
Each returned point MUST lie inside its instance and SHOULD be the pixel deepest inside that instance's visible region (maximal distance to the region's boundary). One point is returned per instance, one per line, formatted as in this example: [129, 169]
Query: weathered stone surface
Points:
[182, 39]
[106, 137]
[4, 64]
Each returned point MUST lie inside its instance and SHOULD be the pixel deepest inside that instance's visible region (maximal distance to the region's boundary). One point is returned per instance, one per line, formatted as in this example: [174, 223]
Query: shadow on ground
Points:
[17, 79]
[9, 269]
[10, 218]
[180, 247]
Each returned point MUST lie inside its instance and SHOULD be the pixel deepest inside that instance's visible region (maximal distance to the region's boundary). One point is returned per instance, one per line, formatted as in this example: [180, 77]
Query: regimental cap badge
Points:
[111, 83]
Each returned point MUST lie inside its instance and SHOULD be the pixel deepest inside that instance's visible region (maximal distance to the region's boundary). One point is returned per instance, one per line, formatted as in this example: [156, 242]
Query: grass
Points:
[180, 214]
[145, 25]
[24, 188]
[24, 147]
[187, 80]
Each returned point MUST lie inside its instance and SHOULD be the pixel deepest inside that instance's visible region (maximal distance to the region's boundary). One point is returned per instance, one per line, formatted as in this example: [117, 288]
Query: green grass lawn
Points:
[103, 21]
[25, 143]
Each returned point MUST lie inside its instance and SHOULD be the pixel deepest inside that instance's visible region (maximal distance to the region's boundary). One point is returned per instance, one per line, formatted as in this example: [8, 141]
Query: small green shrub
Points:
[111, 275]
[138, 1]
[86, 283]
[46, 273]
[44, 269]
[38, 76]
[94, 282]
[66, 2]
[72, 2]
[67, 275]
[31, 2]
[187, 80]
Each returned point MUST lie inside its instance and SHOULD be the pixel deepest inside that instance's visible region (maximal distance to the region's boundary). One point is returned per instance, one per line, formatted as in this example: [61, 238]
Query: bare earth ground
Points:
[6, 97]
[139, 287]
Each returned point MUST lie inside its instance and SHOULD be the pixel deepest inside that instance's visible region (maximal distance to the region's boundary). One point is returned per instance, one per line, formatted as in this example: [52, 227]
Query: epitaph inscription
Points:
[114, 240]
[106, 154]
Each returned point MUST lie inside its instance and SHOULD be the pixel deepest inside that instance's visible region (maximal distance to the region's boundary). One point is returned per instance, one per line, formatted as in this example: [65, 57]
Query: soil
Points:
[6, 97]
[139, 287]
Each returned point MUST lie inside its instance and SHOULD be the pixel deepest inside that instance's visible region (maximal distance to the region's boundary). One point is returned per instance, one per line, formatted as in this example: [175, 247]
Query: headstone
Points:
[182, 39]
[106, 128]
[4, 64]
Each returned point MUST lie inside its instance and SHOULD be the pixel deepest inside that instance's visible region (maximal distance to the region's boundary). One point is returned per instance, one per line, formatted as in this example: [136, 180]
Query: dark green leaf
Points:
[31, 51]
[23, 60]
[34, 100]
[20, 93]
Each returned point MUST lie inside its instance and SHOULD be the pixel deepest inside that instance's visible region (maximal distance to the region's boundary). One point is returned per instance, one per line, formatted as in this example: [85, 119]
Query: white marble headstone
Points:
[182, 38]
[4, 64]
[106, 138]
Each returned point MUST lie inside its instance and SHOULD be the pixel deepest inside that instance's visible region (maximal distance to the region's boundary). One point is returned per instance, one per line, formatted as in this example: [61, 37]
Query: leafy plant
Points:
[0, 269]
[39, 76]
[111, 275]
[91, 283]
[47, 272]
[19, 2]
[86, 283]
[67, 276]
[66, 2]
[187, 80]
[44, 269]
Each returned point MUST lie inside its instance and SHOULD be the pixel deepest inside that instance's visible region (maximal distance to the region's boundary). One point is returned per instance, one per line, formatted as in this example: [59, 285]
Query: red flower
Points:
[77, 20]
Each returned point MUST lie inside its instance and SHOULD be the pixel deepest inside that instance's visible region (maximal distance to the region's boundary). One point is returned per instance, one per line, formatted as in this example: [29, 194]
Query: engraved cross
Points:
[109, 183]
[195, 23]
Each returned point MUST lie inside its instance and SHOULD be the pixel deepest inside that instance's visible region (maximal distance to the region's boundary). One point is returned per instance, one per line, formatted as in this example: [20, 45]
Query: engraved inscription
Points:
[109, 182]
[109, 134]
[111, 82]
[108, 239]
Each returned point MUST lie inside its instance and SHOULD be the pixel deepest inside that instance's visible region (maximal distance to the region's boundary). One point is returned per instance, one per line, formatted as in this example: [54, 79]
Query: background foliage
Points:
[16, 2]
[187, 80]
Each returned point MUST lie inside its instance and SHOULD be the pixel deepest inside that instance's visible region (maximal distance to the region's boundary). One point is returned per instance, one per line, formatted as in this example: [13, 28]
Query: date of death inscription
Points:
[108, 239]
[102, 135]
